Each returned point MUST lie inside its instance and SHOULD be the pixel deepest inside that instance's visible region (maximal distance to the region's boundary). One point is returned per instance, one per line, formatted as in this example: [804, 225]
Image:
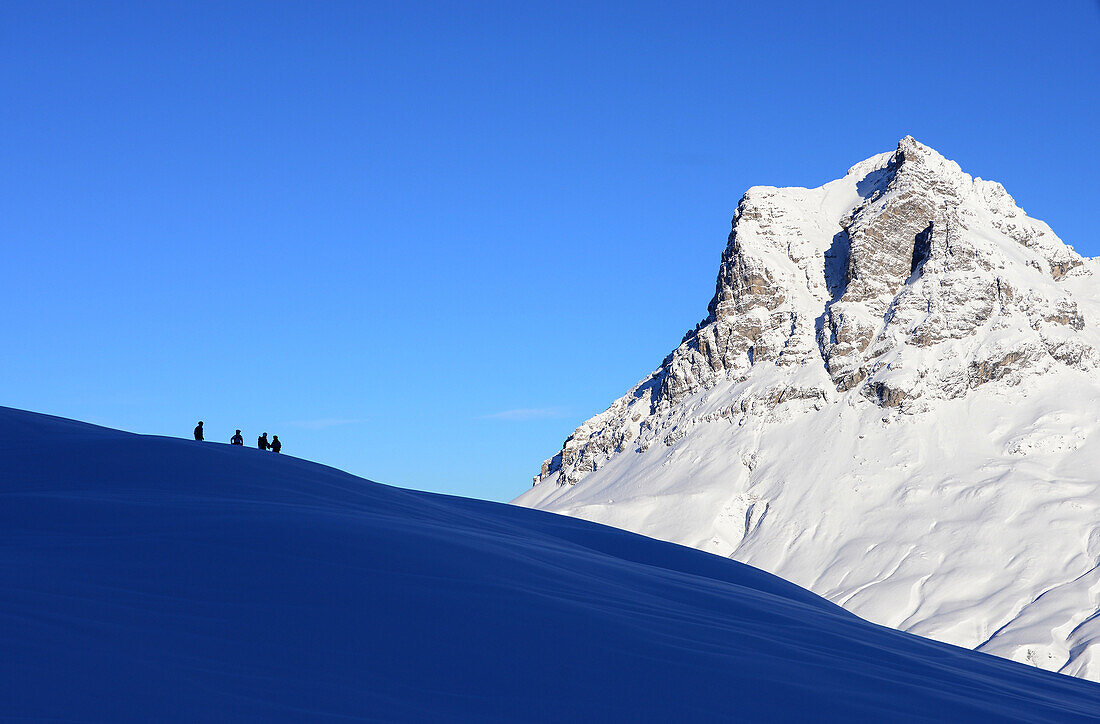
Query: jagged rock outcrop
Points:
[861, 278]
[894, 400]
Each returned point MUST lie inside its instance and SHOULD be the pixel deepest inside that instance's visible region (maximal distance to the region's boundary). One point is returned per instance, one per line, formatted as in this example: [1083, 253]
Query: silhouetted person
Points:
[276, 446]
[261, 442]
[236, 439]
[198, 431]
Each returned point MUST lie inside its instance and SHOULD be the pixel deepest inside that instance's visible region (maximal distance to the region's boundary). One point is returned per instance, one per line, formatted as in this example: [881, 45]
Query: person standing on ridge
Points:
[261, 442]
[198, 431]
[276, 446]
[236, 439]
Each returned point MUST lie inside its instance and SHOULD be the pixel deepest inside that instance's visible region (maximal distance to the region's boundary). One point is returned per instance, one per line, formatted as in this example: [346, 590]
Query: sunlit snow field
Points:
[962, 506]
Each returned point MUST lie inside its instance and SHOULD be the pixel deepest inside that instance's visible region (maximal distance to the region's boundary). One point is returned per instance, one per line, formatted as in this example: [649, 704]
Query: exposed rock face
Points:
[906, 280]
[894, 400]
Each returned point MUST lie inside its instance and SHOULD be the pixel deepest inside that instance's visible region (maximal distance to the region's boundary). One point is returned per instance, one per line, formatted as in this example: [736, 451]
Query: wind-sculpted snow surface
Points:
[151, 579]
[893, 402]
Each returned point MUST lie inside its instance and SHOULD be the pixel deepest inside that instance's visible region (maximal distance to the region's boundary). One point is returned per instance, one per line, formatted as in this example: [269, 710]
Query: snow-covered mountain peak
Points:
[904, 280]
[904, 327]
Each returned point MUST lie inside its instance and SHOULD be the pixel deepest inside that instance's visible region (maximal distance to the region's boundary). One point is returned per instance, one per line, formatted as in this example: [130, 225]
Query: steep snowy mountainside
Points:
[893, 401]
[152, 579]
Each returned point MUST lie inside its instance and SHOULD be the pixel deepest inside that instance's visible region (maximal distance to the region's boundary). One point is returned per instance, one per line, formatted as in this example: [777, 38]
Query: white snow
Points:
[972, 517]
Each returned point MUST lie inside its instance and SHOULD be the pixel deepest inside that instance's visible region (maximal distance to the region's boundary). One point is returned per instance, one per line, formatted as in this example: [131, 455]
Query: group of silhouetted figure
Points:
[261, 442]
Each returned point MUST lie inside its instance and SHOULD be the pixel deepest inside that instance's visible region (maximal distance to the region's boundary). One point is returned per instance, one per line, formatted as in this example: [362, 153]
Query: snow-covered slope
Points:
[894, 402]
[151, 579]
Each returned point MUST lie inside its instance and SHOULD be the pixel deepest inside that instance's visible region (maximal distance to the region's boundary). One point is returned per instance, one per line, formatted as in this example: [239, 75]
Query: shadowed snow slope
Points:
[148, 578]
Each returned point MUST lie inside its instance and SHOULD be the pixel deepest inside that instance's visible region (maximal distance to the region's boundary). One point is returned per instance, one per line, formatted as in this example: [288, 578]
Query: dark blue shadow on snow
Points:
[152, 579]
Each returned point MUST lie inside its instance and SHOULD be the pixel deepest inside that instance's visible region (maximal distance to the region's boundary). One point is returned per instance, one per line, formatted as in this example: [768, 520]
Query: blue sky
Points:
[423, 241]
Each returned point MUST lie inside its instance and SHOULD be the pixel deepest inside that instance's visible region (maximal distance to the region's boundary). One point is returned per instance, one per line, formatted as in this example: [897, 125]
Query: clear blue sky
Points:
[423, 241]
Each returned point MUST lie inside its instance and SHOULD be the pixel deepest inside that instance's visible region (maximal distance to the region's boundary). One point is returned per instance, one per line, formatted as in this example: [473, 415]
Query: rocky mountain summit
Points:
[892, 400]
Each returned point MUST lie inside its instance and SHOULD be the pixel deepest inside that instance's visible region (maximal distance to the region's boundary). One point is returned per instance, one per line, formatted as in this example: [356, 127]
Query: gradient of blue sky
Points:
[423, 241]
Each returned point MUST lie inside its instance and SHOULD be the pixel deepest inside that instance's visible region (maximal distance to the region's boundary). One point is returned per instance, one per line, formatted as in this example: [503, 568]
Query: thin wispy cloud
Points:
[532, 413]
[323, 423]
